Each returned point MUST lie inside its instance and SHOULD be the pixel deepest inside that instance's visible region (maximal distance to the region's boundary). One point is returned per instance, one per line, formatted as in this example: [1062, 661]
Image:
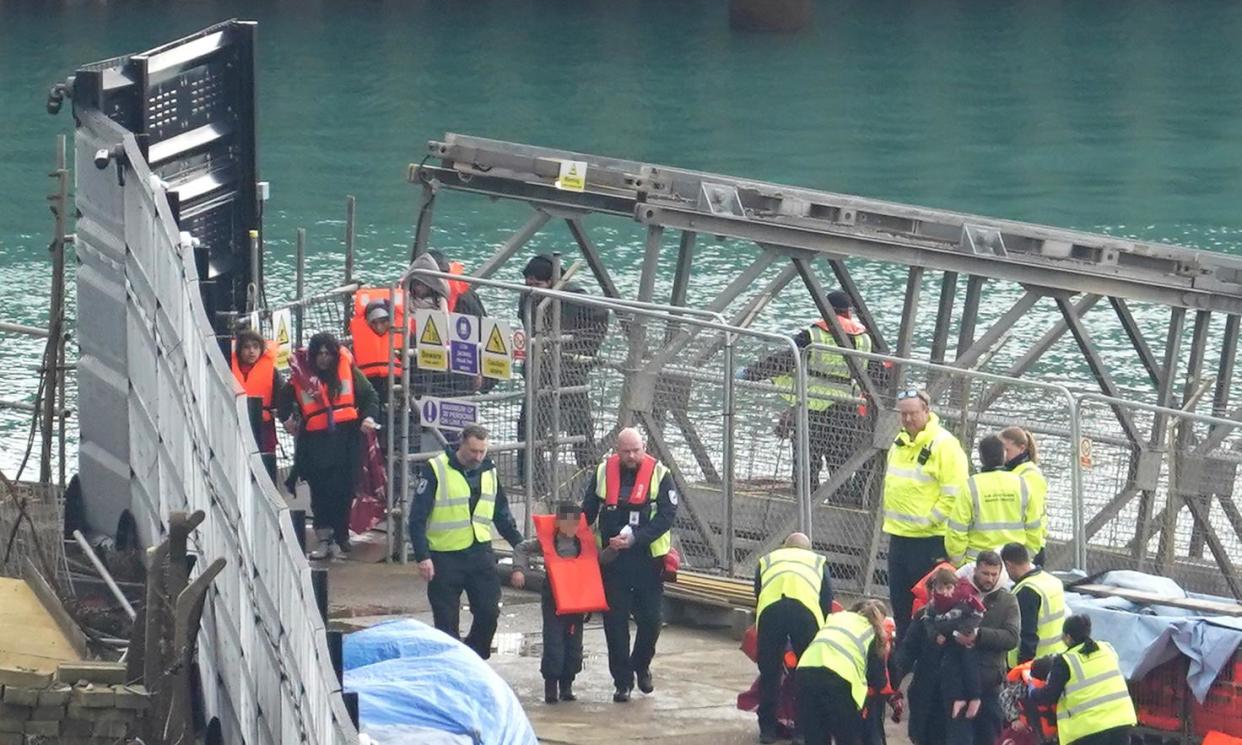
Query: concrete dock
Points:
[698, 671]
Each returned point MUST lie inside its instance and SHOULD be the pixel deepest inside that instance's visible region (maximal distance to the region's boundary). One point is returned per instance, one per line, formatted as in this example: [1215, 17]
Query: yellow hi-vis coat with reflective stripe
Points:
[1095, 697]
[828, 376]
[795, 573]
[994, 510]
[919, 496]
[842, 646]
[1037, 487]
[1051, 613]
[451, 526]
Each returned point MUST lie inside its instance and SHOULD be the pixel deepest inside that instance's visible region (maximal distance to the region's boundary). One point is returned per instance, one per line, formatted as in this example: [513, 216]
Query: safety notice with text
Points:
[496, 353]
[446, 413]
[431, 329]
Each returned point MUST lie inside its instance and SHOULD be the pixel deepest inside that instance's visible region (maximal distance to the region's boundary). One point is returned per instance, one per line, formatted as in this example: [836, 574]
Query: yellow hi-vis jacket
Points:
[828, 376]
[796, 573]
[1051, 613]
[1095, 697]
[842, 646]
[1037, 487]
[925, 475]
[995, 509]
[451, 526]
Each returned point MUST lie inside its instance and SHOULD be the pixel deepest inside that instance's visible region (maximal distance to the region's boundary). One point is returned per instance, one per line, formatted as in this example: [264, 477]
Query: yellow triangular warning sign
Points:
[495, 342]
[573, 170]
[431, 335]
[282, 334]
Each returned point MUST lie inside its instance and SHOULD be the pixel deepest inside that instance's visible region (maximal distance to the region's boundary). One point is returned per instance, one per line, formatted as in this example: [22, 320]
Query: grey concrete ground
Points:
[698, 671]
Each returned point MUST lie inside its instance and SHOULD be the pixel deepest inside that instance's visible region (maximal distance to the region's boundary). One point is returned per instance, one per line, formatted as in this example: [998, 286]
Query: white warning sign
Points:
[282, 334]
[431, 332]
[496, 354]
[573, 175]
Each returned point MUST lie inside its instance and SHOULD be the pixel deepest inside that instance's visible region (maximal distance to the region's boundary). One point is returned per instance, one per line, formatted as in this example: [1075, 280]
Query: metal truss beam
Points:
[593, 258]
[1136, 339]
[513, 244]
[1086, 344]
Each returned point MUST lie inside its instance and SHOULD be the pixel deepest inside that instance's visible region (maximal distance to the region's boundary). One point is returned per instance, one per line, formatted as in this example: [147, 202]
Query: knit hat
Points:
[376, 310]
[839, 300]
[539, 267]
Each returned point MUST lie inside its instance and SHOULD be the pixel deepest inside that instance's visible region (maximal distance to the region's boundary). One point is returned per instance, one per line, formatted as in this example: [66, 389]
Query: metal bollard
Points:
[336, 653]
[351, 705]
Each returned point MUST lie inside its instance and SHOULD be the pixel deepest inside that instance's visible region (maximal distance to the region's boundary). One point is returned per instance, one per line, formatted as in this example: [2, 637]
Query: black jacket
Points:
[424, 499]
[613, 519]
[919, 654]
[586, 327]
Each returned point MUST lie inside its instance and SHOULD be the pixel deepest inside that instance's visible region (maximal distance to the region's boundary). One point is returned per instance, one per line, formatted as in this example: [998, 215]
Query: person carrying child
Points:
[574, 588]
[955, 611]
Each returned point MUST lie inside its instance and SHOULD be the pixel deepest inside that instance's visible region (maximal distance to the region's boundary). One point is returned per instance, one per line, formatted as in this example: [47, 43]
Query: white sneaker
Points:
[336, 552]
[322, 551]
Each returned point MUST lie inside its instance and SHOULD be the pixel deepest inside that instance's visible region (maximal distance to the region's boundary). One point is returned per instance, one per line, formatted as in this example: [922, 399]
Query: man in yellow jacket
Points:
[997, 507]
[927, 470]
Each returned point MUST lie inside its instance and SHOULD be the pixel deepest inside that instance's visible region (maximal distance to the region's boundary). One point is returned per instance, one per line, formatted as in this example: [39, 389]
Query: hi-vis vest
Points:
[1095, 697]
[827, 375]
[451, 526]
[1051, 613]
[994, 511]
[316, 405]
[922, 481]
[1037, 487]
[577, 584]
[842, 646]
[258, 382]
[371, 350]
[795, 573]
[650, 473]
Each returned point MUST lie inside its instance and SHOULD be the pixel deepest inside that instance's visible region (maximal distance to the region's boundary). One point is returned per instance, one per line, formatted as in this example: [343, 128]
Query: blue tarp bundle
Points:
[1147, 636]
[417, 685]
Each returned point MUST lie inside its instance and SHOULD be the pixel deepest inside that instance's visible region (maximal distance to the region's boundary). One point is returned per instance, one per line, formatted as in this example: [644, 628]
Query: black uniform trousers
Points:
[826, 709]
[562, 641]
[331, 492]
[473, 570]
[786, 622]
[633, 585]
[908, 560]
[1114, 736]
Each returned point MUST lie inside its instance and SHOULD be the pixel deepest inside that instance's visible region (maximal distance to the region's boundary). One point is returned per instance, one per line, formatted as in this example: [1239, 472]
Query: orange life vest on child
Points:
[315, 404]
[371, 352]
[577, 585]
[258, 382]
[1021, 674]
[919, 590]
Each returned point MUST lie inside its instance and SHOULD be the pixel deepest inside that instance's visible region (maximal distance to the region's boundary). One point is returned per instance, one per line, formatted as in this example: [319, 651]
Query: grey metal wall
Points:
[164, 429]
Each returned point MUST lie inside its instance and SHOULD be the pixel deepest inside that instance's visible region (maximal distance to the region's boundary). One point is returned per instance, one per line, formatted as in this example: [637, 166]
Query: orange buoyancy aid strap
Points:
[642, 481]
[577, 585]
[457, 287]
[257, 381]
[315, 408]
[371, 349]
[850, 325]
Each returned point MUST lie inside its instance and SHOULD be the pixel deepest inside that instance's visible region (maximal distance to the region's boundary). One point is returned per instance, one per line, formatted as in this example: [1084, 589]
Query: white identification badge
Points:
[634, 517]
[672, 496]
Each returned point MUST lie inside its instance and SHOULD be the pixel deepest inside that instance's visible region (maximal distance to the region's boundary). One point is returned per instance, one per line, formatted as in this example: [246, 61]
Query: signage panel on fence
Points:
[464, 344]
[497, 346]
[519, 344]
[431, 332]
[1085, 458]
[282, 334]
[447, 413]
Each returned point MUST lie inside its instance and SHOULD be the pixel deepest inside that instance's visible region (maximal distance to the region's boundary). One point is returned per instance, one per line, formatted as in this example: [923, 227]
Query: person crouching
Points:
[574, 588]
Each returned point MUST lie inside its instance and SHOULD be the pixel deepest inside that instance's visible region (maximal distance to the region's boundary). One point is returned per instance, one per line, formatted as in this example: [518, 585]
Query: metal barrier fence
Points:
[265, 668]
[597, 364]
[1159, 492]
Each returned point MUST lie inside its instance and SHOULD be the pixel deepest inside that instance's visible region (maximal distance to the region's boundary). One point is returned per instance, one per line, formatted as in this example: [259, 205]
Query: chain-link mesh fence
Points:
[1158, 488]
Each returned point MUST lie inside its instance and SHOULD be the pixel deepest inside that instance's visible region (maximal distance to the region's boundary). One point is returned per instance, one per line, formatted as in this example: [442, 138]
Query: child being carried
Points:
[955, 610]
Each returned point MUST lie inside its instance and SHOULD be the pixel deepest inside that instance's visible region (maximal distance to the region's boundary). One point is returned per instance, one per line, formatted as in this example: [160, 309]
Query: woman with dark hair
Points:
[253, 362]
[1090, 693]
[333, 402]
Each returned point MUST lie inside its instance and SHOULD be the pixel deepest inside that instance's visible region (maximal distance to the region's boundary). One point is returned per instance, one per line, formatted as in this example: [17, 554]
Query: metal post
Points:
[726, 481]
[1076, 498]
[350, 210]
[532, 367]
[53, 375]
[558, 349]
[407, 401]
[806, 509]
[255, 290]
[319, 585]
[300, 287]
[422, 228]
[390, 459]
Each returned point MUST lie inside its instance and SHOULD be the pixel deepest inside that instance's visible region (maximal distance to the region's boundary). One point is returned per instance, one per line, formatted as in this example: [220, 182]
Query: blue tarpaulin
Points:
[1147, 636]
[417, 685]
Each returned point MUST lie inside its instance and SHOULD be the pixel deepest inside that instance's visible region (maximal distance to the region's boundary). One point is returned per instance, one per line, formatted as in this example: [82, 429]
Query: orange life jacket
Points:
[577, 585]
[314, 404]
[642, 481]
[257, 382]
[920, 588]
[457, 287]
[849, 324]
[370, 348]
[1021, 674]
